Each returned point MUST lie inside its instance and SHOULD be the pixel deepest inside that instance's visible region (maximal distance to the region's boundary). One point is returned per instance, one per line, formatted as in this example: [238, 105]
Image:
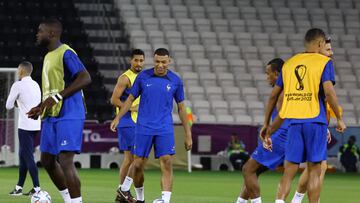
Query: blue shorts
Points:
[126, 137]
[306, 142]
[163, 145]
[62, 135]
[275, 158]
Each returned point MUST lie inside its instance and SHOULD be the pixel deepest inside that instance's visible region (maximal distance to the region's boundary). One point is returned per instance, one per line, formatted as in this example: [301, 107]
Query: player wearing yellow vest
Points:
[307, 79]
[304, 178]
[62, 109]
[126, 128]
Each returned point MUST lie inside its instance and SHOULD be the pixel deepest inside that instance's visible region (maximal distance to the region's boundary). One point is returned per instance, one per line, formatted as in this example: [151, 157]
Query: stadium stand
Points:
[20, 19]
[219, 47]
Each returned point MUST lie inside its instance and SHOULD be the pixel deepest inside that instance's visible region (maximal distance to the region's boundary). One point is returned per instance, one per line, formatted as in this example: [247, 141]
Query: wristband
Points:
[58, 96]
[55, 99]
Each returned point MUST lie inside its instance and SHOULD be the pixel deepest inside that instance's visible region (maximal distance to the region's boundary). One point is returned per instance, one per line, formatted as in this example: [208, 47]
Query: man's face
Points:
[137, 63]
[271, 75]
[327, 51]
[43, 36]
[161, 64]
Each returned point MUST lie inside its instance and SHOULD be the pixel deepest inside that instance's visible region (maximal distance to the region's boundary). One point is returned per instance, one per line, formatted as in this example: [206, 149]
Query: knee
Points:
[246, 169]
[128, 161]
[48, 164]
[138, 165]
[166, 162]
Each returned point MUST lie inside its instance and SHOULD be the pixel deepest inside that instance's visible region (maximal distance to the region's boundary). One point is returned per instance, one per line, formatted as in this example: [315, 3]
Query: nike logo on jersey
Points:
[168, 87]
[148, 85]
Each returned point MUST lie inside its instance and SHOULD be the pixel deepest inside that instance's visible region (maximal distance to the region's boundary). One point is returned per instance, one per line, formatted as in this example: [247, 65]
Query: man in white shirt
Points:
[25, 94]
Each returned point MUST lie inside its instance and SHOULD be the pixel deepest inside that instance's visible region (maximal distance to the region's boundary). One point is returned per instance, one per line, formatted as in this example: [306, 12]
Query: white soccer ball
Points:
[159, 201]
[41, 197]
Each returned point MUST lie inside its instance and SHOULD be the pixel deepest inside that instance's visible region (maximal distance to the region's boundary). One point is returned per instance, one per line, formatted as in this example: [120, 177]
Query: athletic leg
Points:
[285, 182]
[71, 176]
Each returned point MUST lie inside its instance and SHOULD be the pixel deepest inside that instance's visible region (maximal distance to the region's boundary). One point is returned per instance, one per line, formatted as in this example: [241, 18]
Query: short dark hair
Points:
[137, 52]
[27, 66]
[276, 64]
[353, 138]
[53, 22]
[161, 52]
[328, 40]
[313, 34]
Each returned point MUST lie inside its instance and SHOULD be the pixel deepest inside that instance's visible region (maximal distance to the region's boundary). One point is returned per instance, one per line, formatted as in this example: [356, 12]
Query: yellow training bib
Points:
[301, 78]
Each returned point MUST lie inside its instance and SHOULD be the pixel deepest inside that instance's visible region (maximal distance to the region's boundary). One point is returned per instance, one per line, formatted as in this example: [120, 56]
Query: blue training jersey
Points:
[73, 106]
[327, 75]
[156, 103]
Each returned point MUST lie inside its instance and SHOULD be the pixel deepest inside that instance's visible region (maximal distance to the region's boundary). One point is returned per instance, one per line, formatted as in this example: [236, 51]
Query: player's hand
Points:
[340, 126]
[263, 132]
[328, 136]
[48, 103]
[267, 143]
[114, 124]
[188, 142]
[34, 113]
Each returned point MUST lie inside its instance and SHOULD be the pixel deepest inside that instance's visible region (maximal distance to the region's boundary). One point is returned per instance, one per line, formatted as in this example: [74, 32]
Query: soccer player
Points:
[261, 159]
[62, 109]
[303, 180]
[158, 88]
[25, 94]
[126, 127]
[307, 79]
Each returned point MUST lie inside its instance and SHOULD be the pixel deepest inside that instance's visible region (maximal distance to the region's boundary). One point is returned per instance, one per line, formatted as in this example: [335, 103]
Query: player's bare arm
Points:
[123, 82]
[134, 108]
[331, 97]
[82, 80]
[185, 124]
[275, 93]
[125, 108]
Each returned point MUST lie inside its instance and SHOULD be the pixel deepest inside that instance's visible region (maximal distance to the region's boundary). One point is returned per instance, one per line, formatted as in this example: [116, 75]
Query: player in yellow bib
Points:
[307, 80]
[126, 128]
[304, 178]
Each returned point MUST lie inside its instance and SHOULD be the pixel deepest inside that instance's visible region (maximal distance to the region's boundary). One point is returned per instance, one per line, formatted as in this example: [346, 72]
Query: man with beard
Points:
[62, 110]
[126, 127]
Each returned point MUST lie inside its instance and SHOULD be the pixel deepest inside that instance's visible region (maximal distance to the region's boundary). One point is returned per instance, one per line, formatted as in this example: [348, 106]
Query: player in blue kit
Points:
[306, 80]
[303, 180]
[158, 88]
[126, 127]
[261, 159]
[62, 109]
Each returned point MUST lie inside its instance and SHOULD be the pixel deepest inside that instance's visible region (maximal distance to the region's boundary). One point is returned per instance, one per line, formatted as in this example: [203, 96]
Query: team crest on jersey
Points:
[168, 87]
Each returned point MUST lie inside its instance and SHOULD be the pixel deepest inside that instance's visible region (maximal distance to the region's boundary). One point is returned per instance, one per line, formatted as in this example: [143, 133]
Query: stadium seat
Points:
[150, 24]
[185, 25]
[179, 11]
[173, 37]
[220, 107]
[214, 93]
[231, 12]
[168, 24]
[228, 119]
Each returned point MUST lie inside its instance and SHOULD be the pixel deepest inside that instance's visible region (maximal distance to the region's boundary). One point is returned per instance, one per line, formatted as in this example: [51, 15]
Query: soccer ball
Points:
[41, 197]
[159, 201]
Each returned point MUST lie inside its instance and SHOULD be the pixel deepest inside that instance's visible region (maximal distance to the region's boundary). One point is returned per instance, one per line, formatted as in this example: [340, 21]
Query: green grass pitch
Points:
[198, 187]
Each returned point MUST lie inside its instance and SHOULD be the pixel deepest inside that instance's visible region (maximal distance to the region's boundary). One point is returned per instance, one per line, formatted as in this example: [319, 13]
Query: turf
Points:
[198, 187]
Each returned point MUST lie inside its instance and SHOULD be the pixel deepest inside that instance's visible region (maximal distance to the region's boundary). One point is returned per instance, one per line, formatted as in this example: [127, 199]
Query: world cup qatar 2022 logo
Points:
[300, 72]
